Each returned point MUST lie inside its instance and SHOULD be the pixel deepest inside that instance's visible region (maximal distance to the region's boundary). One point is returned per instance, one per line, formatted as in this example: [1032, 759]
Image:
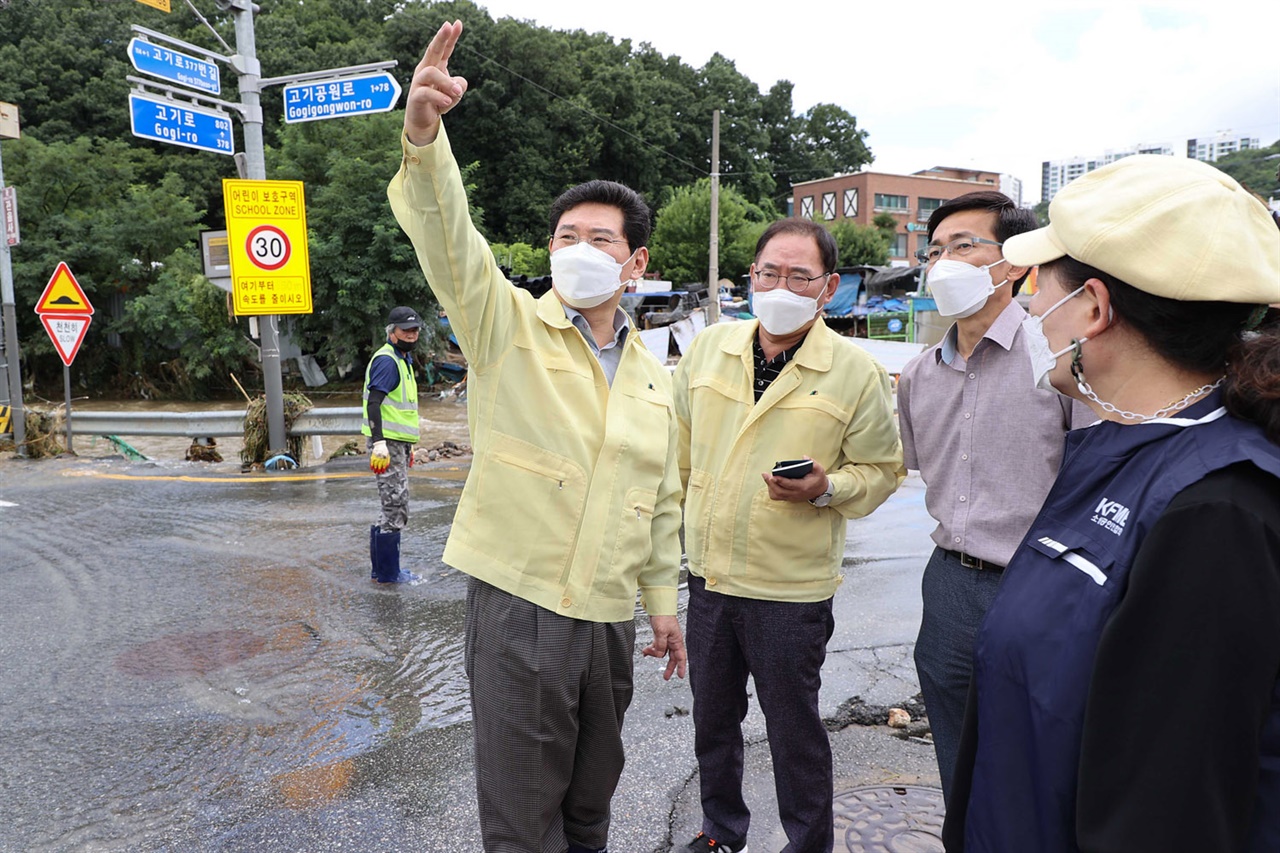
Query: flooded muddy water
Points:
[190, 652]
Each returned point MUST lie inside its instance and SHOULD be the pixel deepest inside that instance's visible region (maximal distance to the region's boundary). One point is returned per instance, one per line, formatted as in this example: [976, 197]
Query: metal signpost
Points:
[273, 251]
[66, 313]
[12, 364]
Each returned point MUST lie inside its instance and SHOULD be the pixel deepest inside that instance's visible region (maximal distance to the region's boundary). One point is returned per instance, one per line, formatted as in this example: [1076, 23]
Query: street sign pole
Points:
[66, 388]
[11, 353]
[247, 66]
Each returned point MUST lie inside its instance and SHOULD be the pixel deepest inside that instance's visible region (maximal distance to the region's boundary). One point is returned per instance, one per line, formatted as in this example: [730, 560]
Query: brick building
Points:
[860, 197]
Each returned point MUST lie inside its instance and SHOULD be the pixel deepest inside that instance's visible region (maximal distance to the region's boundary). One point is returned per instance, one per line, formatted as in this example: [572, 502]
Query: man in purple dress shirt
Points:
[985, 440]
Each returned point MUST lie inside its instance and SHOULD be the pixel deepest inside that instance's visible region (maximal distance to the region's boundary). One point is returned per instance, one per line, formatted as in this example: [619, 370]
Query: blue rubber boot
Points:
[388, 560]
[373, 551]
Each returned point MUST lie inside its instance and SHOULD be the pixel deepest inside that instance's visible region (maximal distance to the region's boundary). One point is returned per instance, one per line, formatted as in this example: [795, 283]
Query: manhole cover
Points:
[889, 819]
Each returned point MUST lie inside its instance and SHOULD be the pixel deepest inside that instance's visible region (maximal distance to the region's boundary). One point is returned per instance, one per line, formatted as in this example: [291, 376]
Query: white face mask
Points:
[781, 312]
[959, 289]
[1043, 359]
[584, 276]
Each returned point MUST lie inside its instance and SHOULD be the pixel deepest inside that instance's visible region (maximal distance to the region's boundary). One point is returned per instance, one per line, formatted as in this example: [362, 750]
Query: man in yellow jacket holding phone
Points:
[786, 431]
[572, 503]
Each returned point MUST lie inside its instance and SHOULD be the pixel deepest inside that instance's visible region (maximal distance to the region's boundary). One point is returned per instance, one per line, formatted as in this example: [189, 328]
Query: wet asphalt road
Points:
[195, 659]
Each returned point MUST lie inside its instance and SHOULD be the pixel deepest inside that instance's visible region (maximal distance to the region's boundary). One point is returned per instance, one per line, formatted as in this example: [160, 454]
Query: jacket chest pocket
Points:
[816, 424]
[645, 421]
[1066, 594]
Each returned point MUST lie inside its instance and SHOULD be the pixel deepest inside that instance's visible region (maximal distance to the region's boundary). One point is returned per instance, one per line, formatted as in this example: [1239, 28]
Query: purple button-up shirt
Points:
[985, 440]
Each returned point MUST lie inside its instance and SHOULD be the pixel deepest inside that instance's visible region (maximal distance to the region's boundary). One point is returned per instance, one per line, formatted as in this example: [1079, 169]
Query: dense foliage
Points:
[546, 109]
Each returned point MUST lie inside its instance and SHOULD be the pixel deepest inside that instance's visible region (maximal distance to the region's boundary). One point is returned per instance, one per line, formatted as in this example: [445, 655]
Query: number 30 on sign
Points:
[267, 242]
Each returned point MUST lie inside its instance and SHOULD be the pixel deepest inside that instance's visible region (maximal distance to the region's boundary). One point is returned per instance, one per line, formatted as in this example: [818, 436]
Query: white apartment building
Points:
[1056, 174]
[1210, 148]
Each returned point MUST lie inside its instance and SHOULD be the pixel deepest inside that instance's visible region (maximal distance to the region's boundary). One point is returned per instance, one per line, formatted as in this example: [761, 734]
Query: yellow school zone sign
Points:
[162, 5]
[267, 244]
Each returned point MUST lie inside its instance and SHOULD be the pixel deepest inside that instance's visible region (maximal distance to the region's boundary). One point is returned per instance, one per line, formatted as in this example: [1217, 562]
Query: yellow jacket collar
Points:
[815, 353]
[551, 310]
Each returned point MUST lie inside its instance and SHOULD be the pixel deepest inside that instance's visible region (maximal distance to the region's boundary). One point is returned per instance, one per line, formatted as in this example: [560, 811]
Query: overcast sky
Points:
[993, 85]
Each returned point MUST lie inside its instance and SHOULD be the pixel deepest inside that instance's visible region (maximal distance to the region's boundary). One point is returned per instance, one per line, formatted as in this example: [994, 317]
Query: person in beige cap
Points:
[1126, 689]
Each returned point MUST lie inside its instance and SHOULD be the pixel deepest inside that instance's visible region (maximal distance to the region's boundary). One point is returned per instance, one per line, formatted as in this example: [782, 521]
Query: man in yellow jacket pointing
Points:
[765, 540]
[572, 503]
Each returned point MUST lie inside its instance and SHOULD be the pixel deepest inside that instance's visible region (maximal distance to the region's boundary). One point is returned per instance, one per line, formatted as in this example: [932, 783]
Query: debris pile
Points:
[256, 439]
[443, 450]
[907, 717]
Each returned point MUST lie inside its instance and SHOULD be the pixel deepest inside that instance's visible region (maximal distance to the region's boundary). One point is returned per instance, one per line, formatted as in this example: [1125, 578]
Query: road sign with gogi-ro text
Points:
[174, 66]
[65, 312]
[360, 94]
[267, 242]
[180, 123]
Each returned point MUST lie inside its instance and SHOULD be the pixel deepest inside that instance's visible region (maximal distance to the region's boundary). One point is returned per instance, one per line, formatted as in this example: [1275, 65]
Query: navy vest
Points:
[1034, 654]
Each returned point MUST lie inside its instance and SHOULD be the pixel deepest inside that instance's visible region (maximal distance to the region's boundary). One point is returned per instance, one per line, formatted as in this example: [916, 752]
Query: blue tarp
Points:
[846, 298]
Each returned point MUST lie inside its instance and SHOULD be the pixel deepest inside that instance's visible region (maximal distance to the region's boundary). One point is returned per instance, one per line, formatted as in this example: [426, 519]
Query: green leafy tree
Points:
[887, 225]
[522, 259]
[84, 203]
[184, 329]
[1257, 169]
[680, 248]
[858, 244]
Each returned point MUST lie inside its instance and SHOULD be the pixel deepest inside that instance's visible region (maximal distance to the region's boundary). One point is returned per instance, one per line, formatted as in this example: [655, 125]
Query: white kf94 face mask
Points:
[781, 312]
[1043, 359]
[960, 289]
[584, 276]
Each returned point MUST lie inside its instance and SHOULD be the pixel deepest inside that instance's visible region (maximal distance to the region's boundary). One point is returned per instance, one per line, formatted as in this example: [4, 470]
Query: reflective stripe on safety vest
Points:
[400, 407]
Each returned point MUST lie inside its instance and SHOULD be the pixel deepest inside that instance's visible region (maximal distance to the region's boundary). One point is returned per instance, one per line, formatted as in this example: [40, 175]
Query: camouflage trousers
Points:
[393, 487]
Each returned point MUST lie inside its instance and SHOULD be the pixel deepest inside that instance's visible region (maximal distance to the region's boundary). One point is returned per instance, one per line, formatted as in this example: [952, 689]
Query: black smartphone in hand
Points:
[793, 469]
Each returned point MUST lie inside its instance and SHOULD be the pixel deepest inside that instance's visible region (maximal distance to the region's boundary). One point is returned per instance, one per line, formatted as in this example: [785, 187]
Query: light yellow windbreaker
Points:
[573, 498]
[832, 402]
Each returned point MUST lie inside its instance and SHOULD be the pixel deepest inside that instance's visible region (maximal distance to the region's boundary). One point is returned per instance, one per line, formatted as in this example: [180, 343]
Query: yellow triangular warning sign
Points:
[62, 295]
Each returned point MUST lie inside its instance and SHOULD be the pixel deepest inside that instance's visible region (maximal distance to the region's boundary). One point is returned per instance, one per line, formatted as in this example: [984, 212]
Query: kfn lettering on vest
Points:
[1110, 515]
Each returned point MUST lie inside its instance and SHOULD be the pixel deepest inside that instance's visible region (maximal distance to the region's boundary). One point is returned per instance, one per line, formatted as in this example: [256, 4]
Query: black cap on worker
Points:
[404, 318]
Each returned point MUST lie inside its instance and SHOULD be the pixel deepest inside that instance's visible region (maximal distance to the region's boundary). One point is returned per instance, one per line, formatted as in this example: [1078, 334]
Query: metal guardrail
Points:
[334, 421]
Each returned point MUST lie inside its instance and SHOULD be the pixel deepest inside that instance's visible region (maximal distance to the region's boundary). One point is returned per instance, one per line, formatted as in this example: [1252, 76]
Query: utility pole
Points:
[245, 62]
[713, 273]
[18, 415]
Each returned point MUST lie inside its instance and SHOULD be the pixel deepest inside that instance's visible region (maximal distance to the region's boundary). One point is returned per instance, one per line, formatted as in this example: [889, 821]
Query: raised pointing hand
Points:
[432, 93]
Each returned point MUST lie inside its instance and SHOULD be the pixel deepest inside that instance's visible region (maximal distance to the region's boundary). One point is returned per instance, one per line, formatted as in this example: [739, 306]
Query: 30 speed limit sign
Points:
[268, 247]
[267, 242]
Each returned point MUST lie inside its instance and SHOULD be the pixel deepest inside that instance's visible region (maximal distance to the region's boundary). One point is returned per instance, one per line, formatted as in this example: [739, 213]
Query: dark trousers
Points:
[548, 694]
[782, 645]
[956, 599]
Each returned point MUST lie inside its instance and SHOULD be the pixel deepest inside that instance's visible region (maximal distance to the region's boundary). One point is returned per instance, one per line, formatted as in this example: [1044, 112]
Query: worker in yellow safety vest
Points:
[391, 424]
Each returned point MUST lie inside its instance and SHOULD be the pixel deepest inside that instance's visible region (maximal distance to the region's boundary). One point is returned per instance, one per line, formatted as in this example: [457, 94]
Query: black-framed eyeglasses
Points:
[959, 247]
[599, 241]
[796, 283]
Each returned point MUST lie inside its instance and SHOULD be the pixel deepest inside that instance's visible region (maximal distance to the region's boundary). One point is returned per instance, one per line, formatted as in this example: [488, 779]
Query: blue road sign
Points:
[169, 64]
[180, 123]
[361, 94]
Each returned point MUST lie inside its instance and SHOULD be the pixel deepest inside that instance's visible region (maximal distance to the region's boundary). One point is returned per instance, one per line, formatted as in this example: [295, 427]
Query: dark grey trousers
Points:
[782, 645]
[548, 694]
[955, 601]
